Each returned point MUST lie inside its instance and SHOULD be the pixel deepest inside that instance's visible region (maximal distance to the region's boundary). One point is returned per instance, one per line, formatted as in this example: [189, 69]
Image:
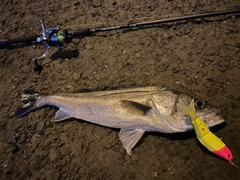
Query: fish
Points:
[133, 110]
[206, 137]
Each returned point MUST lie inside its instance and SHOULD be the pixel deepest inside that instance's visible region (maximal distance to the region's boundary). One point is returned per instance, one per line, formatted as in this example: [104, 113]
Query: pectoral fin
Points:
[130, 138]
[60, 116]
[135, 108]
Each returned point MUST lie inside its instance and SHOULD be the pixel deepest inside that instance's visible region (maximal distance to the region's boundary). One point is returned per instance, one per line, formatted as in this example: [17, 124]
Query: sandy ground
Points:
[200, 58]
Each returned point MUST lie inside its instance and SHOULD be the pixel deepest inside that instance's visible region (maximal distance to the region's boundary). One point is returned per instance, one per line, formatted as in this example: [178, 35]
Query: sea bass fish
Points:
[133, 110]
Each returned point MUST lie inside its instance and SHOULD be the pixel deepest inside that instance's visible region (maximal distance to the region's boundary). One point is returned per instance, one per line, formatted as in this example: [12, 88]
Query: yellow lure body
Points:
[204, 135]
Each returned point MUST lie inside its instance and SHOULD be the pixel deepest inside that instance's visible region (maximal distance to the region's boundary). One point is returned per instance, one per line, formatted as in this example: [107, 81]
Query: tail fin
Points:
[29, 99]
[190, 110]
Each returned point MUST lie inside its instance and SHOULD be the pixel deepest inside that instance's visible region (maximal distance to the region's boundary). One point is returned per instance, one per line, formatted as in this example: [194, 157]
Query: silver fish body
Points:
[134, 110]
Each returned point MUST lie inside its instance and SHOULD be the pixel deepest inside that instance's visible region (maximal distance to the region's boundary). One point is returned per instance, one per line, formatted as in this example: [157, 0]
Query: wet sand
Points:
[199, 58]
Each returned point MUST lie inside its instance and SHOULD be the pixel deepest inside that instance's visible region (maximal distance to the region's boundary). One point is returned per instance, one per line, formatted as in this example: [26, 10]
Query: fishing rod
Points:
[54, 37]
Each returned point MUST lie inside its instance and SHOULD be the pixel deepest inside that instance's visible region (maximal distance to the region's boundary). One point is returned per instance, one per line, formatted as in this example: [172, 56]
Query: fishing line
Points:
[231, 162]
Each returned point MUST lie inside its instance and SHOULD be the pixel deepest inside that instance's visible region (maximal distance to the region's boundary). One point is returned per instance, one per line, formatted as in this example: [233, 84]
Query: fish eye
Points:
[199, 104]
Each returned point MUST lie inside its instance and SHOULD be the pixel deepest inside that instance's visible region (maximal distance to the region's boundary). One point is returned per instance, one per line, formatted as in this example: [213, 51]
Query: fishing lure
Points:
[206, 137]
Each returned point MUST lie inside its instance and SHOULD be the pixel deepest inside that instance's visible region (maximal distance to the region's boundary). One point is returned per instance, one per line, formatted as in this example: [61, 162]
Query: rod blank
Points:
[87, 31]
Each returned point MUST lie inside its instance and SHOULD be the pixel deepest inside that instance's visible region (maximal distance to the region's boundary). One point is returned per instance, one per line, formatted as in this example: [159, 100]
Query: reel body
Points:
[51, 37]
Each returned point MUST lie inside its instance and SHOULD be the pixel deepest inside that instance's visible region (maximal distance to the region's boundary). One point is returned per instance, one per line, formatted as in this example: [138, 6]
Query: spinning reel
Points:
[52, 37]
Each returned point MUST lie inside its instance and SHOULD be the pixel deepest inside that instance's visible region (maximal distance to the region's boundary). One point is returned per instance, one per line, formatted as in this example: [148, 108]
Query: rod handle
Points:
[81, 32]
[18, 40]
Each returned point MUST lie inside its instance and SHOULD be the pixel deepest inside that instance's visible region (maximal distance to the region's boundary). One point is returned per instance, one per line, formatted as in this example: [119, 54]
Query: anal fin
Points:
[130, 138]
[60, 116]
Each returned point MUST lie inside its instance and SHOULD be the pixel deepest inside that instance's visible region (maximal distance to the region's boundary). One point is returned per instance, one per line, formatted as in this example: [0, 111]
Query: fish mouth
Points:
[211, 117]
[217, 120]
